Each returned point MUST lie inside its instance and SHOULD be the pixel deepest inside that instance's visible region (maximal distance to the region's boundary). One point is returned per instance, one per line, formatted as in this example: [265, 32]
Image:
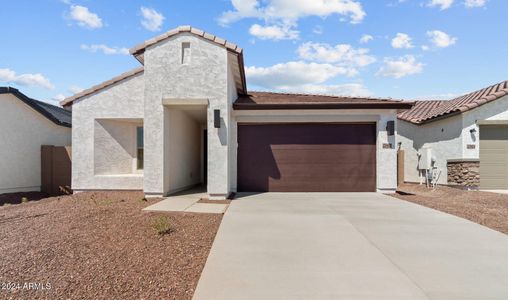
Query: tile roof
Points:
[56, 114]
[102, 85]
[271, 100]
[426, 111]
[139, 49]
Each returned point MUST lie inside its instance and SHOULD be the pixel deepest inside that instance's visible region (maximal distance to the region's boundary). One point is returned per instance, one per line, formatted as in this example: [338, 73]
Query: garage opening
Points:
[313, 157]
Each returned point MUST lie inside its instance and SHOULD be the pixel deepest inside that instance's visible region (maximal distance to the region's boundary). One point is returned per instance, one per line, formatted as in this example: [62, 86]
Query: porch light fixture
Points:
[216, 118]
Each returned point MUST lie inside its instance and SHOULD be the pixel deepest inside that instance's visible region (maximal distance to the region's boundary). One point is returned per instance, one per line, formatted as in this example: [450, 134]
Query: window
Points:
[139, 142]
[186, 52]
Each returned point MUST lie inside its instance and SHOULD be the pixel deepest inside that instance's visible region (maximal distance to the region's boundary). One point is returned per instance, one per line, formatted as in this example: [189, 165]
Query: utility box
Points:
[425, 161]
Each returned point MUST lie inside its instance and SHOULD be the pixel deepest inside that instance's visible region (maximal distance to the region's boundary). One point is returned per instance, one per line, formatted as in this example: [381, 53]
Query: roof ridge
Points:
[487, 96]
[55, 114]
[102, 85]
[140, 48]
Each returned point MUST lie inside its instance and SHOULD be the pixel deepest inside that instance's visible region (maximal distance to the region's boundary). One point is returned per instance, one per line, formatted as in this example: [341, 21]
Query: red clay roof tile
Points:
[426, 111]
[271, 100]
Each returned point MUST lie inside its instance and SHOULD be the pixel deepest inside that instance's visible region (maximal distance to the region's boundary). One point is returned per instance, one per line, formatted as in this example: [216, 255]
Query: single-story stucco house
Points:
[25, 125]
[466, 138]
[186, 118]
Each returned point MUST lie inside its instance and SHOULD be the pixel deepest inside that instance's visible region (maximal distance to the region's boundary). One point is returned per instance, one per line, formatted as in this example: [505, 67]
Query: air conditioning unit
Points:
[425, 162]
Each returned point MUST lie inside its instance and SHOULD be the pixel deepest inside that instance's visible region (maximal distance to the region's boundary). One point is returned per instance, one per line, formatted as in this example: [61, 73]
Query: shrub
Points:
[161, 225]
[107, 202]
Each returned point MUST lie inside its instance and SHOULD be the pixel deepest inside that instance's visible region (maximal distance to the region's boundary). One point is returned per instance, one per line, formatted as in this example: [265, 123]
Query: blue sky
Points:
[410, 48]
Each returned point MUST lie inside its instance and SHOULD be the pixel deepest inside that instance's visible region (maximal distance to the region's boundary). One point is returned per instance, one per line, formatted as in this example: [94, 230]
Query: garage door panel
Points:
[326, 170]
[307, 157]
[323, 156]
[494, 157]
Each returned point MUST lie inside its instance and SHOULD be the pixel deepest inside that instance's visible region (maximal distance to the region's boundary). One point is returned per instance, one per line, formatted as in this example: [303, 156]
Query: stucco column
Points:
[218, 154]
[386, 157]
[154, 127]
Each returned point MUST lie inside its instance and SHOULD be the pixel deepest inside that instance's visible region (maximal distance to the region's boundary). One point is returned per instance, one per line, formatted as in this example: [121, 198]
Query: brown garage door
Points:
[494, 157]
[307, 157]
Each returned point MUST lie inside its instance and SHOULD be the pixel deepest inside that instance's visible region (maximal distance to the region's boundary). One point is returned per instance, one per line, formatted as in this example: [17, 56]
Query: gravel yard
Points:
[101, 245]
[488, 209]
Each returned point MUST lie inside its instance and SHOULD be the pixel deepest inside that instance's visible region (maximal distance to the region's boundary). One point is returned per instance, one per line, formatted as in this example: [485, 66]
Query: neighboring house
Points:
[186, 118]
[467, 137]
[25, 125]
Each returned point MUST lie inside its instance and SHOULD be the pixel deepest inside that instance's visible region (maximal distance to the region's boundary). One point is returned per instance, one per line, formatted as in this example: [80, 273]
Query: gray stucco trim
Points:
[492, 122]
[459, 160]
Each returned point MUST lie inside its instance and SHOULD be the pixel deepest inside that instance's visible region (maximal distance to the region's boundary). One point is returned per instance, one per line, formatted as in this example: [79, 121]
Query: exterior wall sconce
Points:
[390, 128]
[216, 118]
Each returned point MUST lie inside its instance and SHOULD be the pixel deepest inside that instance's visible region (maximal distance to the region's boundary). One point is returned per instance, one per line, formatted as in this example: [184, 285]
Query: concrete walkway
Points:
[187, 201]
[351, 246]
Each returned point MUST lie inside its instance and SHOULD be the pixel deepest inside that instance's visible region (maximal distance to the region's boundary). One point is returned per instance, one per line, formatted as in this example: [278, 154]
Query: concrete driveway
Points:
[351, 246]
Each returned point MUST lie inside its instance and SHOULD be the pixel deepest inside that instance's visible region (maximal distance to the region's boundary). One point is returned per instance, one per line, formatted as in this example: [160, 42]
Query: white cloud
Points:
[347, 89]
[293, 74]
[105, 49]
[9, 76]
[58, 97]
[441, 39]
[290, 11]
[400, 67]
[342, 54]
[85, 17]
[274, 32]
[402, 41]
[443, 4]
[318, 29]
[366, 38]
[475, 3]
[152, 20]
[75, 89]
[444, 96]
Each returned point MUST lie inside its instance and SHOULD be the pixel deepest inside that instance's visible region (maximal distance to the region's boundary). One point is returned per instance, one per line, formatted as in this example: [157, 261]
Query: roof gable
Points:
[56, 114]
[138, 50]
[426, 111]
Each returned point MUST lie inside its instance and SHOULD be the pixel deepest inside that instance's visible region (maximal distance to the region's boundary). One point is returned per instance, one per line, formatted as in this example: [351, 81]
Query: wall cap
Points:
[461, 160]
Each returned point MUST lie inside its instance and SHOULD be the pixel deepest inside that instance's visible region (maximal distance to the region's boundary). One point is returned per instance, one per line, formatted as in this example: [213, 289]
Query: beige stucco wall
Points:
[444, 137]
[122, 102]
[204, 77]
[233, 146]
[495, 110]
[386, 159]
[172, 141]
[118, 137]
[22, 132]
[448, 138]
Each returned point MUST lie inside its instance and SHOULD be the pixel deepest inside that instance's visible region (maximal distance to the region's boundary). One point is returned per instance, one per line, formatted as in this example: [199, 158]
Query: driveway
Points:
[350, 246]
